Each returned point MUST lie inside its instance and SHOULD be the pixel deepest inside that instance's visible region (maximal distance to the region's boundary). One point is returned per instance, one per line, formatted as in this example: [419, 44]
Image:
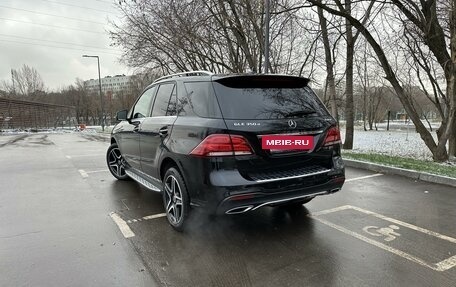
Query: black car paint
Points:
[212, 182]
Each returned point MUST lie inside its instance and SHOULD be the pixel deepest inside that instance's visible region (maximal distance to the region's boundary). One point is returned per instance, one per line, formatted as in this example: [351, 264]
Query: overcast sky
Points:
[27, 37]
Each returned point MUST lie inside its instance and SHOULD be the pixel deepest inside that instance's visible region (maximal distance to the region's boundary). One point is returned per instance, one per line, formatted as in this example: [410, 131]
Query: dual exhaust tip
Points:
[243, 209]
[238, 210]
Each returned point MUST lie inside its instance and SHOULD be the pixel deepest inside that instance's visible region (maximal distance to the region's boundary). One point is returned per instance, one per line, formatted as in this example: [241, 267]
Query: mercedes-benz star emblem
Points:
[292, 124]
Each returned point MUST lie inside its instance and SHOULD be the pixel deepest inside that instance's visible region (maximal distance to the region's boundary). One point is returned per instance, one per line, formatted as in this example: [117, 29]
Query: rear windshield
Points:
[268, 103]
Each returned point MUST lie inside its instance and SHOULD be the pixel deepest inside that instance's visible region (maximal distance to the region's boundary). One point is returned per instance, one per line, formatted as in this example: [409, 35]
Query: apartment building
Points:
[110, 84]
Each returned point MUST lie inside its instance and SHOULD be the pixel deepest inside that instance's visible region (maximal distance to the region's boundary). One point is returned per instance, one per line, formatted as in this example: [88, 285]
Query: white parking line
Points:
[154, 216]
[148, 217]
[439, 266]
[95, 171]
[326, 211]
[405, 224]
[122, 224]
[363, 177]
[83, 155]
[378, 244]
[83, 173]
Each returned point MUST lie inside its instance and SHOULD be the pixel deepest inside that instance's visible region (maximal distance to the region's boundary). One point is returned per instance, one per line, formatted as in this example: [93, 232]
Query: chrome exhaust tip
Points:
[238, 210]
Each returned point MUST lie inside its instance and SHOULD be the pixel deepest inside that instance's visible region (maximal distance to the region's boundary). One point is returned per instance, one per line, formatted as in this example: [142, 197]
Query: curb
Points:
[424, 176]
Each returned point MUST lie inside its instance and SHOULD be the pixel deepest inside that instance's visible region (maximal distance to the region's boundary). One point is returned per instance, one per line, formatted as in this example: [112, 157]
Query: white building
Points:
[110, 84]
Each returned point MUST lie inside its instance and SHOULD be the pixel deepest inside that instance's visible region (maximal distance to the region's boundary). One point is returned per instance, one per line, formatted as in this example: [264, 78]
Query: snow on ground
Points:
[401, 140]
[403, 143]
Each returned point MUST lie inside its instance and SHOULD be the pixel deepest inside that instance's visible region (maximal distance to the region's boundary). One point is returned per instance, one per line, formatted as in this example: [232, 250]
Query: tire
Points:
[116, 162]
[175, 199]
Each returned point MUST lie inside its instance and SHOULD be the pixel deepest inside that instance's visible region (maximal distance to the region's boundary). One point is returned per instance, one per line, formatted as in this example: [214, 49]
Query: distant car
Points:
[228, 143]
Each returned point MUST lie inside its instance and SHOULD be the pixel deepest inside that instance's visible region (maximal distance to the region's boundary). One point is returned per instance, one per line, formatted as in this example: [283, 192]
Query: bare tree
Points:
[215, 35]
[25, 82]
[423, 16]
[177, 36]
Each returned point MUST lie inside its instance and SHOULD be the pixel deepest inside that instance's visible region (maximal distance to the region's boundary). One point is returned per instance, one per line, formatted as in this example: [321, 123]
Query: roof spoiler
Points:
[263, 81]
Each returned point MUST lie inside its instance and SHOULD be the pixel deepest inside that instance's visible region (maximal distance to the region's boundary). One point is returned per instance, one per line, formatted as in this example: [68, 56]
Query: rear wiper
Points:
[300, 113]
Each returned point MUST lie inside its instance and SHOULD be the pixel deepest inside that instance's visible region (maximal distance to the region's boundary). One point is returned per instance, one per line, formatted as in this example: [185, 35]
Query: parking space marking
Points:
[122, 224]
[326, 211]
[363, 177]
[148, 217]
[439, 266]
[378, 244]
[93, 150]
[405, 224]
[95, 171]
[83, 173]
[154, 216]
[388, 233]
[83, 155]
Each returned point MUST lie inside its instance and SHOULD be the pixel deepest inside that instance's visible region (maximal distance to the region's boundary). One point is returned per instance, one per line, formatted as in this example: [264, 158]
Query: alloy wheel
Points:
[173, 199]
[116, 162]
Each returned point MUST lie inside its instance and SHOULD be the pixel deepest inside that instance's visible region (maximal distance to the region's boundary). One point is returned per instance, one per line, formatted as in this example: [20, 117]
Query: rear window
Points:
[268, 103]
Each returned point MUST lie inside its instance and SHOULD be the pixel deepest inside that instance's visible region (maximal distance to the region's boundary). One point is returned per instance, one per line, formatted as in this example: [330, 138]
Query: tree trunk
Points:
[452, 93]
[364, 109]
[329, 63]
[349, 116]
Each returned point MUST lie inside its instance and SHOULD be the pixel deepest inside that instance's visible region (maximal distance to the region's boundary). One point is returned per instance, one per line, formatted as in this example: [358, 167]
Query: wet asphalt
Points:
[56, 198]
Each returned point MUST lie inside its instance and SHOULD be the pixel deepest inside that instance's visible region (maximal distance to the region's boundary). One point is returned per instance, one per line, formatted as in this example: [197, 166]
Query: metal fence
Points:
[27, 115]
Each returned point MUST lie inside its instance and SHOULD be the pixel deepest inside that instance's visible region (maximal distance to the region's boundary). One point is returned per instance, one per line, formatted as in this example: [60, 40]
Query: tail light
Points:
[332, 137]
[222, 145]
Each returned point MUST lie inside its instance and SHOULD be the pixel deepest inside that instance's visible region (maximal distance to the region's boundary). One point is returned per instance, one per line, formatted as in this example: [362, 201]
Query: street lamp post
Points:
[99, 83]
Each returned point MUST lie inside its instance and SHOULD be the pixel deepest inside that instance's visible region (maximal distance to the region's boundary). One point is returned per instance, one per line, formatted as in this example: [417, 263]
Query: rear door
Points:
[155, 129]
[260, 106]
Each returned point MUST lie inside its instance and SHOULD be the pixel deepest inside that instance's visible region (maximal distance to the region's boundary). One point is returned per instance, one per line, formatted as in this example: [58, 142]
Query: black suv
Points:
[228, 143]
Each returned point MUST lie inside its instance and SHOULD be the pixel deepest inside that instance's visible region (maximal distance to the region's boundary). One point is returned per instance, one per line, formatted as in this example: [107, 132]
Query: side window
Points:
[199, 100]
[142, 106]
[165, 101]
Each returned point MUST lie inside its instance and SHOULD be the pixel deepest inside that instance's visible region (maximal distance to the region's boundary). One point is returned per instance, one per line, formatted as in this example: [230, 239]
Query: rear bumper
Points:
[240, 202]
[217, 186]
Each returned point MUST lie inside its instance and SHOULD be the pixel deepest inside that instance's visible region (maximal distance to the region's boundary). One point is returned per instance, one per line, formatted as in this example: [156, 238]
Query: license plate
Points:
[283, 142]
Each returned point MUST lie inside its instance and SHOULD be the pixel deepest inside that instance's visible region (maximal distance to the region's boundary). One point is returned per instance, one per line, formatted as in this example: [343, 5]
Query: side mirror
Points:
[121, 115]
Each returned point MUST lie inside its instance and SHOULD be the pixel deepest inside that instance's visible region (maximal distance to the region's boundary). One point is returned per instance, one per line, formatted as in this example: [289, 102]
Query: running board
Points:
[142, 180]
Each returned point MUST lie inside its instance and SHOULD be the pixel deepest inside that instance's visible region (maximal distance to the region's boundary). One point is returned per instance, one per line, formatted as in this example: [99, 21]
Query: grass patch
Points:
[445, 169]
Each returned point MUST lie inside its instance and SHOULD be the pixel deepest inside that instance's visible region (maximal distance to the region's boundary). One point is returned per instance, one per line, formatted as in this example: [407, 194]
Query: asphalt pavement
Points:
[65, 221]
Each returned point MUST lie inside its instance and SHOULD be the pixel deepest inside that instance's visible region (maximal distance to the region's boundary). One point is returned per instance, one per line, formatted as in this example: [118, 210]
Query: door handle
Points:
[136, 125]
[163, 131]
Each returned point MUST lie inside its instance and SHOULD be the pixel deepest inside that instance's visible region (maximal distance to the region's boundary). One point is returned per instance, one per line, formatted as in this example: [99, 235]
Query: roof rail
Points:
[185, 74]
